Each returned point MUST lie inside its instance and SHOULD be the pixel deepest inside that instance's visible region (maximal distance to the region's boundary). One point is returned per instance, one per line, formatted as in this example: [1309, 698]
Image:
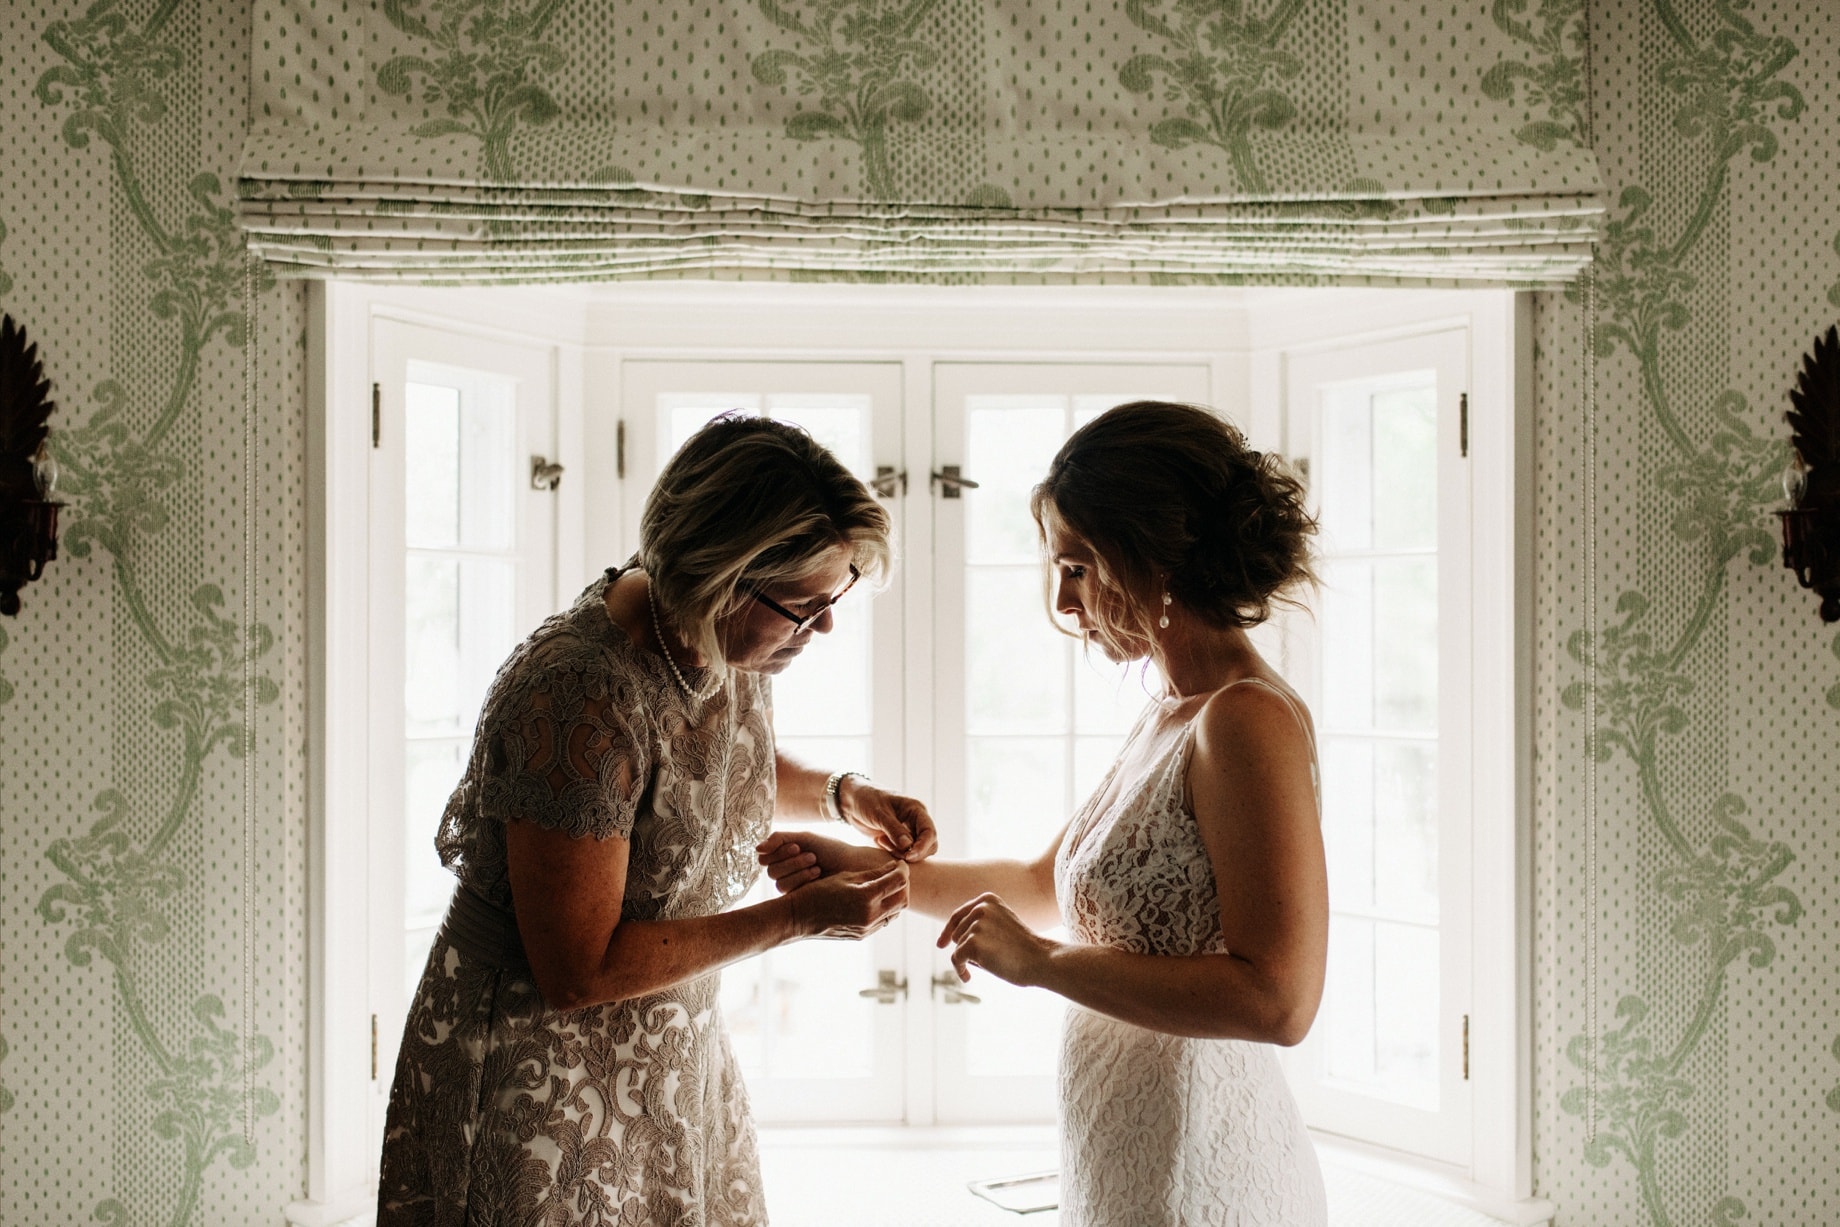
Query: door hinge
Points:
[1466, 1048]
[1463, 423]
[376, 415]
[619, 449]
[373, 1048]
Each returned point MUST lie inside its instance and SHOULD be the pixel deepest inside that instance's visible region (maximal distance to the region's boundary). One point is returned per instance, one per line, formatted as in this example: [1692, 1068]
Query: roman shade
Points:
[1187, 141]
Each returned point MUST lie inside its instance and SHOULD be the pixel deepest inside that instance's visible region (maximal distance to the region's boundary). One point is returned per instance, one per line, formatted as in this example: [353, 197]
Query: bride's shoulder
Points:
[1249, 716]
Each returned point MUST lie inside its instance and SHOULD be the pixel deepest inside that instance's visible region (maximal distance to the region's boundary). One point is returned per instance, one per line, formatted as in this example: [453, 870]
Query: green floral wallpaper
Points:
[1689, 768]
[151, 789]
[152, 824]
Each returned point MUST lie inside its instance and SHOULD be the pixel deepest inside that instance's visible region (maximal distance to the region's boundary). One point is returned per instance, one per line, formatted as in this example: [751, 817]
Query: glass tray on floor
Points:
[1022, 1194]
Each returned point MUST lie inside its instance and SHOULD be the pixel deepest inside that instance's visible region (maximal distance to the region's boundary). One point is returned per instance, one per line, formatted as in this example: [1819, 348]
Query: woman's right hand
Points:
[852, 903]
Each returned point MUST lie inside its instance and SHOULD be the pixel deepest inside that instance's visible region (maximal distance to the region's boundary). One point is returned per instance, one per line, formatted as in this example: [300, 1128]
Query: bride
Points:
[1192, 883]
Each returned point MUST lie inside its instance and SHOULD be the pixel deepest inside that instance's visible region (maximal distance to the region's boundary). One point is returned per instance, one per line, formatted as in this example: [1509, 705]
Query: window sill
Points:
[1412, 1189]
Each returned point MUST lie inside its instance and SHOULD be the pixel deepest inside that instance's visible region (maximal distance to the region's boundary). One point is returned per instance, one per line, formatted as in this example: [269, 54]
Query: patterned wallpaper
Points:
[152, 825]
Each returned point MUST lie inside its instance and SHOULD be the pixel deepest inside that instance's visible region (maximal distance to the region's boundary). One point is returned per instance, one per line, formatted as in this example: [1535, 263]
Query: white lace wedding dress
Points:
[1159, 1130]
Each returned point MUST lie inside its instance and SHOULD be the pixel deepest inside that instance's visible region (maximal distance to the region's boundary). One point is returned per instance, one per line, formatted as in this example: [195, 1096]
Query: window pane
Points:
[1344, 471]
[1016, 665]
[1405, 640]
[431, 769]
[825, 692]
[1405, 452]
[685, 413]
[1011, 1032]
[794, 1011]
[839, 422]
[1108, 698]
[488, 465]
[1017, 790]
[1009, 442]
[1382, 1010]
[1348, 819]
[460, 625]
[1406, 1013]
[1406, 830]
[1380, 644]
[431, 448]
[1345, 621]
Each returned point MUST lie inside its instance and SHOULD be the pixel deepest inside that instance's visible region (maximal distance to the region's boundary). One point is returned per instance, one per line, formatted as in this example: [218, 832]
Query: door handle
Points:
[545, 474]
[889, 988]
[888, 482]
[948, 482]
[951, 990]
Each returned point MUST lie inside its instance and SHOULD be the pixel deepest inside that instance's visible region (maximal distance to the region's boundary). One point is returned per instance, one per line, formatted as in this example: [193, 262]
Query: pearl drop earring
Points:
[1163, 622]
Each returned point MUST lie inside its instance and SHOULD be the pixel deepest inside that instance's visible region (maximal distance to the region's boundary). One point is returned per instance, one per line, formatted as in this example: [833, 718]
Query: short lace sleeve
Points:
[560, 746]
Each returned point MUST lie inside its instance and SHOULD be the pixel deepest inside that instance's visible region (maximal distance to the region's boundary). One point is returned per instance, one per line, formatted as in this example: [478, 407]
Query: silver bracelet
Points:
[832, 805]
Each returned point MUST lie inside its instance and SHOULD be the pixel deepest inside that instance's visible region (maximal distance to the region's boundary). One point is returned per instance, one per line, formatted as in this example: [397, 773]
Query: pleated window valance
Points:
[1288, 141]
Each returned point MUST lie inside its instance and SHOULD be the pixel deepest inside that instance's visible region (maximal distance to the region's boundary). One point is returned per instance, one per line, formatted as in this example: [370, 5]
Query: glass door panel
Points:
[1026, 721]
[811, 1046]
[463, 567]
[1383, 668]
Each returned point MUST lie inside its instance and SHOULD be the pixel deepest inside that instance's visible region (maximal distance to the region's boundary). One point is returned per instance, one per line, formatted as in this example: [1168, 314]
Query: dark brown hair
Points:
[1171, 497]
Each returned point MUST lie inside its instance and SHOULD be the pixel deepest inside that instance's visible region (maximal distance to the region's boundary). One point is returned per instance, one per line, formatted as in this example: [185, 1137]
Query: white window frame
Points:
[1242, 334]
[1498, 1177]
[346, 1070]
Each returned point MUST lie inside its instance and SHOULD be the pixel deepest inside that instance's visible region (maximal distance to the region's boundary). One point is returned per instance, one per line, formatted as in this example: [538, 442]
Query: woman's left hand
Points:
[897, 823]
[985, 933]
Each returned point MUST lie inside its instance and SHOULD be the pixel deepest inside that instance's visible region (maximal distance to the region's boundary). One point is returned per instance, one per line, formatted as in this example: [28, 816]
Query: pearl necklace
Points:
[664, 648]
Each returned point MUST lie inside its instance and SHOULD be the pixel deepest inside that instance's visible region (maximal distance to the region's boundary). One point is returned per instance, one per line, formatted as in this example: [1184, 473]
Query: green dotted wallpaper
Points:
[152, 743]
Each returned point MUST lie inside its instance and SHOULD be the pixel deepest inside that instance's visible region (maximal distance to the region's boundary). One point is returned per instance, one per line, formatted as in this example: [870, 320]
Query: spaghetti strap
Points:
[1289, 701]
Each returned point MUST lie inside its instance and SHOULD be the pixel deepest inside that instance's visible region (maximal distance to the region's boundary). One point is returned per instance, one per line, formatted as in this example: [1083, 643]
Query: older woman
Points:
[564, 1060]
[1192, 883]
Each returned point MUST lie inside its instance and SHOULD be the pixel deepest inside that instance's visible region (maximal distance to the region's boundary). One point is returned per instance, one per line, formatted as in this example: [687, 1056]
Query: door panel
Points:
[462, 567]
[811, 1046]
[1025, 723]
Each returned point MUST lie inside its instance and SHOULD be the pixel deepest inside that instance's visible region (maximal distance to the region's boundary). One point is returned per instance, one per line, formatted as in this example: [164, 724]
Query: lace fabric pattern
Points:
[1161, 1130]
[629, 1113]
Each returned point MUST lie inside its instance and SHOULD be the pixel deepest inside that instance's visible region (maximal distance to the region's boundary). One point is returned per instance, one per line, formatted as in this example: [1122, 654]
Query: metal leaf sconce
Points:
[28, 474]
[1811, 525]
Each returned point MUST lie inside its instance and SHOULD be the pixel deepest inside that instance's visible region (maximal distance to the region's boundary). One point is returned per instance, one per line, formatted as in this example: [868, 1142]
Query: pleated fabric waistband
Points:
[483, 932]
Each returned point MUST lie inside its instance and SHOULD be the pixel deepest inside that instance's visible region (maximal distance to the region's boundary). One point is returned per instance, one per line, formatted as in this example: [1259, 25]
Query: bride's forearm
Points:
[937, 887]
[1212, 996]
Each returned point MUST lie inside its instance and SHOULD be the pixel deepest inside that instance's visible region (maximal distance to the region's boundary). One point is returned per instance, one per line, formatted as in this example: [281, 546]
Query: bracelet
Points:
[831, 806]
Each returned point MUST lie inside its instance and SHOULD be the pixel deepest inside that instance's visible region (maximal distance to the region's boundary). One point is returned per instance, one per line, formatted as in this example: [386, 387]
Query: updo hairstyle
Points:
[1171, 497]
[746, 503]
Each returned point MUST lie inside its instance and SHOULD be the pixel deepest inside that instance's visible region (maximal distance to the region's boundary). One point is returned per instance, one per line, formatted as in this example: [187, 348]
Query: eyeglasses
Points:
[801, 621]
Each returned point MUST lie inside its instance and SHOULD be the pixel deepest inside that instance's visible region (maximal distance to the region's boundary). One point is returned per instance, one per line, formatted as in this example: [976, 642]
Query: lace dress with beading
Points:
[1162, 1130]
[620, 1115]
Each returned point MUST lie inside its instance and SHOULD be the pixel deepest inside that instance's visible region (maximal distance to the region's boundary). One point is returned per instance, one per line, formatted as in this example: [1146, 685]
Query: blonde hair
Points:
[747, 503]
[1172, 498]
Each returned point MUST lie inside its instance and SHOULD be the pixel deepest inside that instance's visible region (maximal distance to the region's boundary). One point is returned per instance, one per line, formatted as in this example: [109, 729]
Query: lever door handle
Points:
[951, 991]
[948, 481]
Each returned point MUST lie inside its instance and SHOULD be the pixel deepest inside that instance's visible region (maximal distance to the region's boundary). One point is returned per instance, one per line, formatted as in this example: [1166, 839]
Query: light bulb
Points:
[1795, 479]
[44, 469]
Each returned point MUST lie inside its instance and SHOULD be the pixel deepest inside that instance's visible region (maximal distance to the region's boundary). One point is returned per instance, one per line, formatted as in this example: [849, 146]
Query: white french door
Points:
[812, 1046]
[1025, 723]
[462, 558]
[1385, 665]
[1022, 724]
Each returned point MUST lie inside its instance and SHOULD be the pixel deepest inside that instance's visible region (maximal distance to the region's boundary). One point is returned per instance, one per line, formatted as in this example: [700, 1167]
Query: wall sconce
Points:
[1811, 524]
[28, 474]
